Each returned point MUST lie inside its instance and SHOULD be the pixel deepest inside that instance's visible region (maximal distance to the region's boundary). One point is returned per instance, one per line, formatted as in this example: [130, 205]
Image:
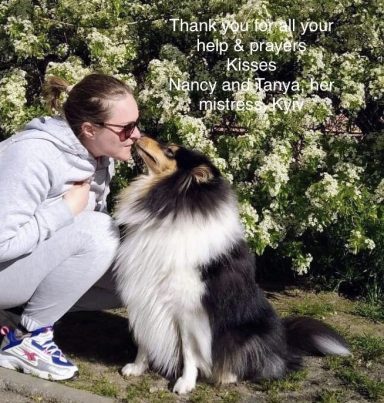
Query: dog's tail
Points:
[307, 336]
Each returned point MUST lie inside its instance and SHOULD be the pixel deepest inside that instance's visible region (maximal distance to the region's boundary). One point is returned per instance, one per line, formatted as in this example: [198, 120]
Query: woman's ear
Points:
[88, 130]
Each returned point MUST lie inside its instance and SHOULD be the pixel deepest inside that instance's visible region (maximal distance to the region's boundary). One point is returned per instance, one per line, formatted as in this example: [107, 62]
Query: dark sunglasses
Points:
[127, 129]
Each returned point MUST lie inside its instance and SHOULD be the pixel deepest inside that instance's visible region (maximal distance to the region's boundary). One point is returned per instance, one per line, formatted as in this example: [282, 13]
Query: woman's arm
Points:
[26, 173]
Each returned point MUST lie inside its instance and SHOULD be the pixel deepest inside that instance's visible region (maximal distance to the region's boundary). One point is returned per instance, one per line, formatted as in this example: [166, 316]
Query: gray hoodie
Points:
[37, 166]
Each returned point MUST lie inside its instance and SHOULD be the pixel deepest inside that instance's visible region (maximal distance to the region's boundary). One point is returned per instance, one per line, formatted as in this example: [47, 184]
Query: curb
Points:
[31, 387]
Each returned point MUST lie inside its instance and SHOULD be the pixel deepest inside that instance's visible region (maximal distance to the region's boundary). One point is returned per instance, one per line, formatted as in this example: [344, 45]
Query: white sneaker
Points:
[35, 353]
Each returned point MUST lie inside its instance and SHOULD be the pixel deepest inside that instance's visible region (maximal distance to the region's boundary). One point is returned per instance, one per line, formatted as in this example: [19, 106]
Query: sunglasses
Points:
[125, 130]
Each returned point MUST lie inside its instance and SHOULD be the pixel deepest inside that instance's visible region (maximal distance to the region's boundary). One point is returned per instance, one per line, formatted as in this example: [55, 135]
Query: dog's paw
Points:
[133, 370]
[228, 378]
[183, 386]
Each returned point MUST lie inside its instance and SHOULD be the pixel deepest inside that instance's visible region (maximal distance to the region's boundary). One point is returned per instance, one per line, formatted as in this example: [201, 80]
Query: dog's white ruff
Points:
[159, 280]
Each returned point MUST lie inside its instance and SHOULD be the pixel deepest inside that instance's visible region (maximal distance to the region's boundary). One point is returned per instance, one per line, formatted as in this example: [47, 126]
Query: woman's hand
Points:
[77, 197]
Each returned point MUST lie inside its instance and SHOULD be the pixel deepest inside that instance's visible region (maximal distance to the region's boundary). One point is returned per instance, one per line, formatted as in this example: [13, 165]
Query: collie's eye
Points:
[169, 152]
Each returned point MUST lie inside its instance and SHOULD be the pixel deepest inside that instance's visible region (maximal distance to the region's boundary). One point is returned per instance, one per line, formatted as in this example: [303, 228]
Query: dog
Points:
[186, 275]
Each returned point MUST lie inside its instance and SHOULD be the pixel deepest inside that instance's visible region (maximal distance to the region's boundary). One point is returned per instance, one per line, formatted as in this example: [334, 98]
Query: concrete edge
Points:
[30, 386]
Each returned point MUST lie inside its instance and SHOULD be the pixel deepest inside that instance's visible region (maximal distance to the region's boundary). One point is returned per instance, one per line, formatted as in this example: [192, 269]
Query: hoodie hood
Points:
[57, 131]
[69, 161]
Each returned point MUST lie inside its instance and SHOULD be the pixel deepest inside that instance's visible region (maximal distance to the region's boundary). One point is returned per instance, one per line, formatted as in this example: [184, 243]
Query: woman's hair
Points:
[87, 101]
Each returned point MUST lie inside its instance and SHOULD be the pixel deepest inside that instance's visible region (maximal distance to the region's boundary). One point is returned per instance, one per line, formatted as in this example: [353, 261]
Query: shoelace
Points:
[51, 348]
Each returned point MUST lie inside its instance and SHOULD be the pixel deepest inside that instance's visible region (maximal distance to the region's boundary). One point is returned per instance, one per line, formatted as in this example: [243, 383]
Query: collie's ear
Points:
[202, 174]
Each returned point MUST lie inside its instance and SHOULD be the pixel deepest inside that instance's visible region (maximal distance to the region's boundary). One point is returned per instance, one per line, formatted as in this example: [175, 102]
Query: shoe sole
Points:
[17, 365]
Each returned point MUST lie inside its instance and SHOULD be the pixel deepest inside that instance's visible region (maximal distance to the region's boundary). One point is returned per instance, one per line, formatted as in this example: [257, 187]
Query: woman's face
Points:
[110, 138]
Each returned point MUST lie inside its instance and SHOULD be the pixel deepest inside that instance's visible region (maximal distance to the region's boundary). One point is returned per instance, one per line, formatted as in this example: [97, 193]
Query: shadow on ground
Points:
[101, 337]
[101, 344]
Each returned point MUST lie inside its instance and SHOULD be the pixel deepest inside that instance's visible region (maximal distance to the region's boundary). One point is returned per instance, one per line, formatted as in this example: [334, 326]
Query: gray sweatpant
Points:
[60, 271]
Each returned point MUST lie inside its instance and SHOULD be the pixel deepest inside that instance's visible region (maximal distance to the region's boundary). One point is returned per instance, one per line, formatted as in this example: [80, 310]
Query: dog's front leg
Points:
[187, 381]
[139, 366]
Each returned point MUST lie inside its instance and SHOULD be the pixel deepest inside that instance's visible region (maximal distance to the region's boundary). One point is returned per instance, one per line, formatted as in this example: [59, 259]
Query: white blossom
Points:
[111, 49]
[194, 135]
[164, 102]
[301, 263]
[24, 39]
[275, 167]
[358, 241]
[12, 99]
[249, 218]
[73, 69]
[379, 192]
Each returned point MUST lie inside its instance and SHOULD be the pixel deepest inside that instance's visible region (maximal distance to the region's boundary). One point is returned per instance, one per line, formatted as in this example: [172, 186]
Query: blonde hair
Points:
[87, 100]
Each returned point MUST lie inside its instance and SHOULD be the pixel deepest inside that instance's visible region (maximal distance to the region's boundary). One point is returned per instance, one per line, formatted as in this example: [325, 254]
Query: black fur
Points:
[249, 340]
[172, 197]
[240, 314]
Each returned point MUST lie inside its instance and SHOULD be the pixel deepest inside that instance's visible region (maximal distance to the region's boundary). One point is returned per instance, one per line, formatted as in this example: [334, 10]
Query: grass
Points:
[331, 396]
[94, 382]
[208, 393]
[104, 387]
[326, 380]
[308, 307]
[368, 347]
[367, 387]
[372, 311]
[142, 388]
[273, 388]
[291, 382]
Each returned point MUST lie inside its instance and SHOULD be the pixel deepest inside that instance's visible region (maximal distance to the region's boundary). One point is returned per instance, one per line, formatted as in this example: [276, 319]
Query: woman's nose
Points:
[136, 134]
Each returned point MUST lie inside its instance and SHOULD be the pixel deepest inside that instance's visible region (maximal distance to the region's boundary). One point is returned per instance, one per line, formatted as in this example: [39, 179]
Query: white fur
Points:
[159, 281]
[228, 378]
[330, 346]
[139, 366]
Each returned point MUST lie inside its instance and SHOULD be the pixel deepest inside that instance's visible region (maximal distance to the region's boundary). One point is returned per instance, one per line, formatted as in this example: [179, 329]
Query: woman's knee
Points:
[100, 230]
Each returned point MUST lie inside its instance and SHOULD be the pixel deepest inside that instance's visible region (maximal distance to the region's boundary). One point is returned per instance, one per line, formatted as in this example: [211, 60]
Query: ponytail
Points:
[52, 90]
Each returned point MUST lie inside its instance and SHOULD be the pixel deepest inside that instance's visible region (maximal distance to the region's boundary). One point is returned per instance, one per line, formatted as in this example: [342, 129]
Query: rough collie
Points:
[186, 276]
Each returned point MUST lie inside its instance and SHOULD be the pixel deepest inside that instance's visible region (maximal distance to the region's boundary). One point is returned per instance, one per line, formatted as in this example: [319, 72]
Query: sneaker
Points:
[35, 353]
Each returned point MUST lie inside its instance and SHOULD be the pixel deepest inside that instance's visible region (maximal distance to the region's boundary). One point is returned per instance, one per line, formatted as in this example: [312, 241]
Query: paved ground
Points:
[12, 397]
[19, 388]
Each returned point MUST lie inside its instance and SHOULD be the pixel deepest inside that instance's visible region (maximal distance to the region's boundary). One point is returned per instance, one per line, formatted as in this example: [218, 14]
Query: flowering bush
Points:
[309, 181]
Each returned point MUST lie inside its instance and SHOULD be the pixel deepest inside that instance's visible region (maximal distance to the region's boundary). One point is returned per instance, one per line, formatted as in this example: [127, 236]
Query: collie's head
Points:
[179, 180]
[164, 160]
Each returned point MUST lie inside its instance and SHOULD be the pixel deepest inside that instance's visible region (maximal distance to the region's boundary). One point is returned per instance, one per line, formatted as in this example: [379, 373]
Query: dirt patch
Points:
[100, 343]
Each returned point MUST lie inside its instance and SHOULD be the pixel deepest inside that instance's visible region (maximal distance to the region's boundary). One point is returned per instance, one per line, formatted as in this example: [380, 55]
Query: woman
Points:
[56, 240]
